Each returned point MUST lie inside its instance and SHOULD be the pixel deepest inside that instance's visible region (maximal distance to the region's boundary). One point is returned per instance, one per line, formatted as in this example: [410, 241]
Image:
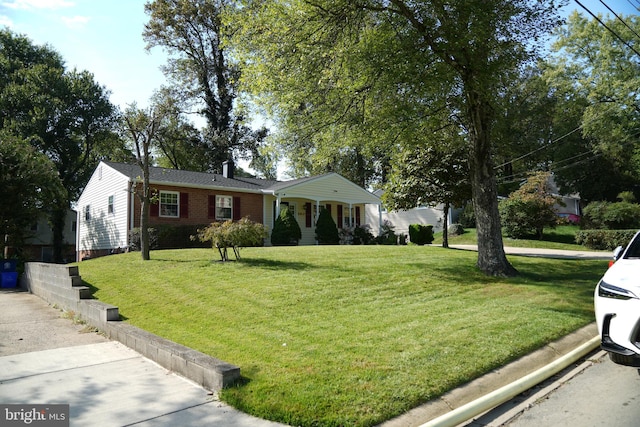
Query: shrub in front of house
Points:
[235, 235]
[179, 236]
[326, 229]
[387, 235]
[134, 239]
[286, 231]
[420, 234]
[604, 239]
[362, 235]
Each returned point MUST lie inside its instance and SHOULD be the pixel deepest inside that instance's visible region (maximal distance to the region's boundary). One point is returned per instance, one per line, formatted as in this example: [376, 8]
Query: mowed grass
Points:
[347, 335]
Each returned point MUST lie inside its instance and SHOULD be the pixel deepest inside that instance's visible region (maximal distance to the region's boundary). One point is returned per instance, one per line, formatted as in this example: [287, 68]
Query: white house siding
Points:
[104, 231]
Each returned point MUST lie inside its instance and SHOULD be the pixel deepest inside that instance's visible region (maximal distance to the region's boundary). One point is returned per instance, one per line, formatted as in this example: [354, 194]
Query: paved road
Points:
[598, 393]
[47, 359]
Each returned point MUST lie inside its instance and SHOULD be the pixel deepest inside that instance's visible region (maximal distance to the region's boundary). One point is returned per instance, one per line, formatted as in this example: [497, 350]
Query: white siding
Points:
[401, 220]
[104, 230]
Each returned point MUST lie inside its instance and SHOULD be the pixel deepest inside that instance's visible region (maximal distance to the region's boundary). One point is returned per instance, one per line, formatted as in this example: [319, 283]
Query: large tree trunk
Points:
[491, 256]
[445, 226]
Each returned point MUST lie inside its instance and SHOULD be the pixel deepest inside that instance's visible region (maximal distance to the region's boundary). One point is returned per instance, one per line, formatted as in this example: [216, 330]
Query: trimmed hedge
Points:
[421, 234]
[604, 239]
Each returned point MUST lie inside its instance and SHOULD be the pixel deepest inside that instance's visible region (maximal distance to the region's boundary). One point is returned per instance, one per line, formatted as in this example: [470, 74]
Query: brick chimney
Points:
[227, 169]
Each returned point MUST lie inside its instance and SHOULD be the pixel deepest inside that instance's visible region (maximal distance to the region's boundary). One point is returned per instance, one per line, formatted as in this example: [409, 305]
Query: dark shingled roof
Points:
[193, 179]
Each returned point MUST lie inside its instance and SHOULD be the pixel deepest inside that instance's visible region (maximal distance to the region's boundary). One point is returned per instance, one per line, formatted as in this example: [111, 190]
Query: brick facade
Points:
[198, 207]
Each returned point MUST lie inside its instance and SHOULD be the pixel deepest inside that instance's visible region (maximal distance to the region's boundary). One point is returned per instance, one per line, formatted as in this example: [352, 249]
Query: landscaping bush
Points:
[235, 235]
[134, 239]
[179, 236]
[326, 229]
[286, 231]
[529, 209]
[456, 230]
[604, 239]
[467, 217]
[362, 235]
[420, 234]
[611, 216]
[387, 235]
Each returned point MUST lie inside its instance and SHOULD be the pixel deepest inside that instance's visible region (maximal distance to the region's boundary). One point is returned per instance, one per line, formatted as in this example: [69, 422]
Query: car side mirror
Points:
[617, 252]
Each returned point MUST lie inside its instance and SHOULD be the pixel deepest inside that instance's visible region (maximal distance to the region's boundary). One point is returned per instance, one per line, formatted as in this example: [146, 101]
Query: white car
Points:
[617, 305]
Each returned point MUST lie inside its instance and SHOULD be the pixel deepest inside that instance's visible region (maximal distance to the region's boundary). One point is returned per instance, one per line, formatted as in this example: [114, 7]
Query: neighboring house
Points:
[401, 219]
[108, 209]
[38, 246]
[570, 207]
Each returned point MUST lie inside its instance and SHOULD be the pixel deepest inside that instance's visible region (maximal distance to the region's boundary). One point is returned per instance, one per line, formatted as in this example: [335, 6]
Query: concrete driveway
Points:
[48, 359]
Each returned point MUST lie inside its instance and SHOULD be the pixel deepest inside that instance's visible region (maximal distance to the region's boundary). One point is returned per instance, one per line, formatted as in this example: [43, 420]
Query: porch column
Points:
[351, 216]
[379, 219]
[317, 210]
[278, 200]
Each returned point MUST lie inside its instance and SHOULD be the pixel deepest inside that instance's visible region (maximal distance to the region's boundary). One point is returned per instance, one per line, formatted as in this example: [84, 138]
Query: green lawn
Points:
[347, 335]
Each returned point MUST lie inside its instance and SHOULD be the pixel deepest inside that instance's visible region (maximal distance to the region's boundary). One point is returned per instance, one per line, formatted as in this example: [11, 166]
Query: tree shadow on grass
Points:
[271, 264]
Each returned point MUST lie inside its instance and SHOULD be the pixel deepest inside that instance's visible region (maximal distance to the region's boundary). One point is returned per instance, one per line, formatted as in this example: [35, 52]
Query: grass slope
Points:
[347, 335]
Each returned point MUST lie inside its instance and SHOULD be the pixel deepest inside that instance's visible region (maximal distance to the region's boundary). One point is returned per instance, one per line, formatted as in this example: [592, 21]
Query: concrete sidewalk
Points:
[47, 359]
[545, 253]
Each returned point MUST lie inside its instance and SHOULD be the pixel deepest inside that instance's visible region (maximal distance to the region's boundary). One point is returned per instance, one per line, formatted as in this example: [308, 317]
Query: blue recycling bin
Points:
[8, 279]
[8, 265]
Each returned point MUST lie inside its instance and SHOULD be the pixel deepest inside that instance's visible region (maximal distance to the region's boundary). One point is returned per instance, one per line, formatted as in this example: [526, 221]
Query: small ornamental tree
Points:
[529, 209]
[326, 229]
[236, 235]
[286, 230]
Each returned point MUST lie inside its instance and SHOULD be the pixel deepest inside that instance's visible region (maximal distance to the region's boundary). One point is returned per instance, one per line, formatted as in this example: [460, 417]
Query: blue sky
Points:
[105, 38]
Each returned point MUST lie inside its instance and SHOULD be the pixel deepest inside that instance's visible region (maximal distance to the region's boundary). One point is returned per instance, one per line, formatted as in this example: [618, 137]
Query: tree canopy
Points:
[64, 114]
[202, 75]
[343, 75]
[596, 66]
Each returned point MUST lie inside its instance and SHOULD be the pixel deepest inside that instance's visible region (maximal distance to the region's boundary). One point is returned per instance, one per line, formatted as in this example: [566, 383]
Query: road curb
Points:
[540, 365]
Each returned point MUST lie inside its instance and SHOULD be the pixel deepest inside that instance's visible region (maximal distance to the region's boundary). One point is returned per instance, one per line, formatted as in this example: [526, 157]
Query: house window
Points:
[87, 213]
[224, 207]
[169, 204]
[110, 208]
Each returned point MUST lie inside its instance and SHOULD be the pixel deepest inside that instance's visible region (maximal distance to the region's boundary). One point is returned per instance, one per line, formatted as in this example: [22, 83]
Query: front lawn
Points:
[347, 335]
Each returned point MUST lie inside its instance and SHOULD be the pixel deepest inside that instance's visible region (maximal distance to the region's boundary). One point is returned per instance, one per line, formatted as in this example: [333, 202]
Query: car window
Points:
[634, 249]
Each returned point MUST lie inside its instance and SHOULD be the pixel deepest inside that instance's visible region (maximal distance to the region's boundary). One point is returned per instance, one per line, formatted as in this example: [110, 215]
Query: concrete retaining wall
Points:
[61, 285]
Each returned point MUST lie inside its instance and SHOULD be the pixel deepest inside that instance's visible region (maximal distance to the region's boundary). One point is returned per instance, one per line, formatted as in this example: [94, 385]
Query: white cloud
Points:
[37, 4]
[5, 21]
[75, 22]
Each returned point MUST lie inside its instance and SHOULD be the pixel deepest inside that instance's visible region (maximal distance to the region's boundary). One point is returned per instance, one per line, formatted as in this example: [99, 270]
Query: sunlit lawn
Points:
[347, 335]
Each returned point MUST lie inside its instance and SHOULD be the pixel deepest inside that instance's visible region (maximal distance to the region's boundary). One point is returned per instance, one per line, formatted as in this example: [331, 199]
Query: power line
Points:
[609, 29]
[620, 19]
[539, 148]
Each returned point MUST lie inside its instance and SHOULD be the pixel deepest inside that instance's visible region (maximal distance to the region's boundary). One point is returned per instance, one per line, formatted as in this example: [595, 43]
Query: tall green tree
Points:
[338, 60]
[29, 183]
[431, 173]
[598, 64]
[202, 75]
[64, 114]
